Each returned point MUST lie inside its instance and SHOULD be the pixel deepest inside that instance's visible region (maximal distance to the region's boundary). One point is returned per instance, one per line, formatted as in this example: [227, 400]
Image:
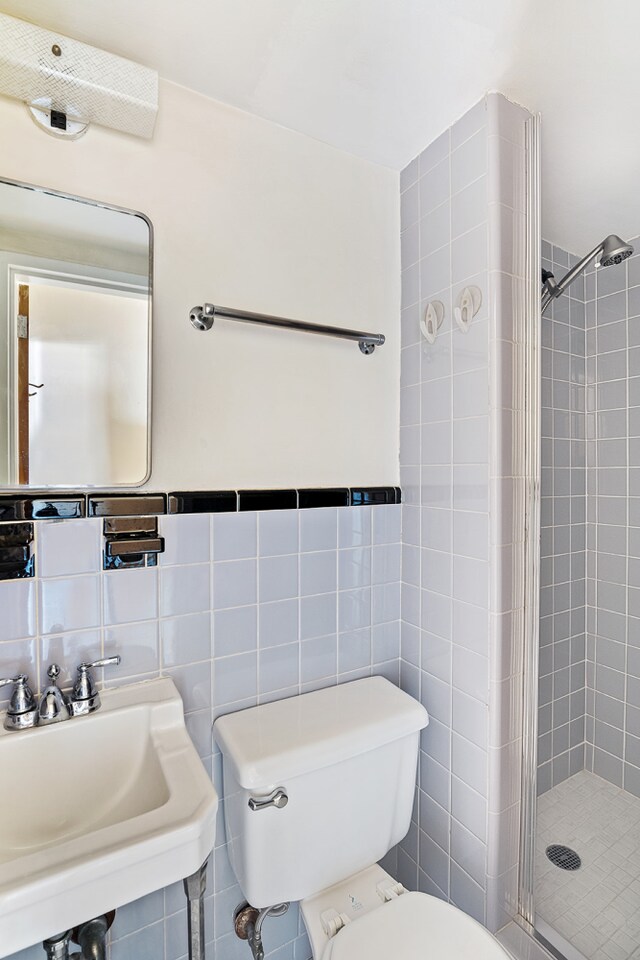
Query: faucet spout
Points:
[54, 706]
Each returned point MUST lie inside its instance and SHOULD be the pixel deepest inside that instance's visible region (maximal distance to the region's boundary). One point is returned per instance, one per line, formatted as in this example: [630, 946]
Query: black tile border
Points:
[126, 504]
[328, 497]
[267, 499]
[212, 501]
[44, 506]
[372, 496]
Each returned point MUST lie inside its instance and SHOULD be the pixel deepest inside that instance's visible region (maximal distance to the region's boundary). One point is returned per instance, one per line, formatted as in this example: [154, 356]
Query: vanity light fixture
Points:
[67, 85]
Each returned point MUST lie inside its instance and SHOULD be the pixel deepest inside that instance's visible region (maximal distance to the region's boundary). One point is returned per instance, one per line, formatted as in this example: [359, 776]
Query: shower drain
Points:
[563, 857]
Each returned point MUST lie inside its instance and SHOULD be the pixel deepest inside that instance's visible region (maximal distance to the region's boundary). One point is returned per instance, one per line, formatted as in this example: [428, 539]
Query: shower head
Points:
[611, 250]
[614, 250]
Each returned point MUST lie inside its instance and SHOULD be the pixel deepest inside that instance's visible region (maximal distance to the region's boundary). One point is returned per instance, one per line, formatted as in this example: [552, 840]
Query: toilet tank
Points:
[346, 758]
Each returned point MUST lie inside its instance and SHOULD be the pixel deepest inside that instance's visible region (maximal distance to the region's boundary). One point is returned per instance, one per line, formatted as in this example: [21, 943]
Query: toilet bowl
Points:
[317, 789]
[378, 920]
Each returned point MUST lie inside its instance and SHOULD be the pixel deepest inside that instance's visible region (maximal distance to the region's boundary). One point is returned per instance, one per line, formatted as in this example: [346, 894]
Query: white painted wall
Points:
[250, 215]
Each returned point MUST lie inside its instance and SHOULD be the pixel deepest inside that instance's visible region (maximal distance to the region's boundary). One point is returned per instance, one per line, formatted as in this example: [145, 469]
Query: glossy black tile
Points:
[370, 496]
[16, 559]
[267, 499]
[41, 507]
[126, 505]
[203, 501]
[323, 497]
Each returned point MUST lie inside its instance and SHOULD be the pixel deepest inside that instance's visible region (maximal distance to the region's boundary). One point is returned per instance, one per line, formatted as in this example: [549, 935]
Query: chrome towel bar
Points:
[202, 318]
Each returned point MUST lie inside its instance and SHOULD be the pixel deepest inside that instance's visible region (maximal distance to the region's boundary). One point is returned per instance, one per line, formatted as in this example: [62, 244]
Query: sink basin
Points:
[98, 811]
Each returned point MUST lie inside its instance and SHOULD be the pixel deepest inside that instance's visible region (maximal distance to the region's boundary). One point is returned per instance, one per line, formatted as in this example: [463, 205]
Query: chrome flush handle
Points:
[278, 799]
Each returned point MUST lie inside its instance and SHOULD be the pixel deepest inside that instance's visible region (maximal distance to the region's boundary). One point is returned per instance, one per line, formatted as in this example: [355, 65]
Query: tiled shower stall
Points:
[589, 716]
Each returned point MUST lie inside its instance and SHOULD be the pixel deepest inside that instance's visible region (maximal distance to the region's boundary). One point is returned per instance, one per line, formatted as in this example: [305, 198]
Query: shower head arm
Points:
[550, 293]
[579, 268]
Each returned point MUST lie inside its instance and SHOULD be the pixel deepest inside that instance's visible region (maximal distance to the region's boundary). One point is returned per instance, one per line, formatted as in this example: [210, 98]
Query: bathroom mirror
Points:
[75, 339]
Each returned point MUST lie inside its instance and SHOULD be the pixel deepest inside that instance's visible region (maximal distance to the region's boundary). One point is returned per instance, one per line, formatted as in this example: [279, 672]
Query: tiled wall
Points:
[243, 608]
[613, 514]
[590, 424]
[561, 715]
[462, 207]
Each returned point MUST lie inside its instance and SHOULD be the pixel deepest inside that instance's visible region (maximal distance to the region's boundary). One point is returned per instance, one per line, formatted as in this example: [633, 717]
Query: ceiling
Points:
[382, 78]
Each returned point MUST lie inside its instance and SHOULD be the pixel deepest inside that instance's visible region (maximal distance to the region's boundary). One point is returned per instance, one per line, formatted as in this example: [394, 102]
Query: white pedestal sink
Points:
[98, 811]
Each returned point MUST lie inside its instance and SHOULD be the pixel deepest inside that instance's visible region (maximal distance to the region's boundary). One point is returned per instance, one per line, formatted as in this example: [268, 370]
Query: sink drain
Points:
[563, 857]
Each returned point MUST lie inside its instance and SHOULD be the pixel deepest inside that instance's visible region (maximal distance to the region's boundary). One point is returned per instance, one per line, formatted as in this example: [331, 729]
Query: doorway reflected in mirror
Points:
[75, 294]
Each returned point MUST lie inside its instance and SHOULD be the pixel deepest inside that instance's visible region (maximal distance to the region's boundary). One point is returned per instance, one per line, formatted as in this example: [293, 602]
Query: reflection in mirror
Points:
[75, 334]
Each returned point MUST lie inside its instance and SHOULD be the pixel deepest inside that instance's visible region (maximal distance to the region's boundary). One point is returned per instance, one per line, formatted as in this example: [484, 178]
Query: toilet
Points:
[317, 789]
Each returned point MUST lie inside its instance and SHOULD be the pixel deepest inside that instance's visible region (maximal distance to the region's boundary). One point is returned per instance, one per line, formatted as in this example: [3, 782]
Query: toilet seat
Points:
[414, 926]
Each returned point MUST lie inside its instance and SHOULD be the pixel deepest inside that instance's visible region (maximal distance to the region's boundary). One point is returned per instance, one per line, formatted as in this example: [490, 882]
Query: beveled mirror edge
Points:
[26, 489]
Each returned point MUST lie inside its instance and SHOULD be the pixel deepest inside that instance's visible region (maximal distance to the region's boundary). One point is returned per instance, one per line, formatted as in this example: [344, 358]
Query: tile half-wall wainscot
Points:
[243, 608]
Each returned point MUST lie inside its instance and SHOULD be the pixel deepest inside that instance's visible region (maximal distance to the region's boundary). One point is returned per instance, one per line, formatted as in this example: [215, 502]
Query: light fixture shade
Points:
[86, 84]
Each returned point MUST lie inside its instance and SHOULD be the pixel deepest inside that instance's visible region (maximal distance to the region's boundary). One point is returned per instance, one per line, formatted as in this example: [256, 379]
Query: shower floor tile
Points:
[595, 908]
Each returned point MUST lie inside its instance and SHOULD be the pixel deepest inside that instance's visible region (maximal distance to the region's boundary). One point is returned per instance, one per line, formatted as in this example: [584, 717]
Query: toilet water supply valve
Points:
[247, 923]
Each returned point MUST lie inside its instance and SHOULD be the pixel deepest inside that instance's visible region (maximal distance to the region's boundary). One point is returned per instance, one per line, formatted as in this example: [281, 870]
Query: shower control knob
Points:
[278, 799]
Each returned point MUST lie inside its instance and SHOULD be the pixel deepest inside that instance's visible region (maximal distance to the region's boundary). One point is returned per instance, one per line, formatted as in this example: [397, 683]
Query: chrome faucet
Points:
[23, 710]
[84, 696]
[54, 705]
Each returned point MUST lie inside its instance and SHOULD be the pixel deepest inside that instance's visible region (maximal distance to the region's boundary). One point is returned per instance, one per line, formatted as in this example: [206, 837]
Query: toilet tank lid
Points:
[268, 744]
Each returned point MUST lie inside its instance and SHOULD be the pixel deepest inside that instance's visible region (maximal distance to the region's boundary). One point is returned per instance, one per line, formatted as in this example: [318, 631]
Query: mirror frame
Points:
[27, 489]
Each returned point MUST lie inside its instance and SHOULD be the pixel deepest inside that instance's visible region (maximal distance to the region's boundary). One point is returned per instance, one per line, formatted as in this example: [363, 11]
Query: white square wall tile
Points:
[277, 532]
[235, 678]
[130, 595]
[354, 568]
[278, 623]
[469, 254]
[187, 538]
[67, 547]
[471, 535]
[17, 609]
[185, 589]
[319, 529]
[235, 630]
[470, 123]
[69, 604]
[277, 578]
[354, 526]
[235, 536]
[18, 656]
[137, 644]
[469, 161]
[318, 615]
[318, 572]
[387, 523]
[278, 668]
[185, 639]
[235, 583]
